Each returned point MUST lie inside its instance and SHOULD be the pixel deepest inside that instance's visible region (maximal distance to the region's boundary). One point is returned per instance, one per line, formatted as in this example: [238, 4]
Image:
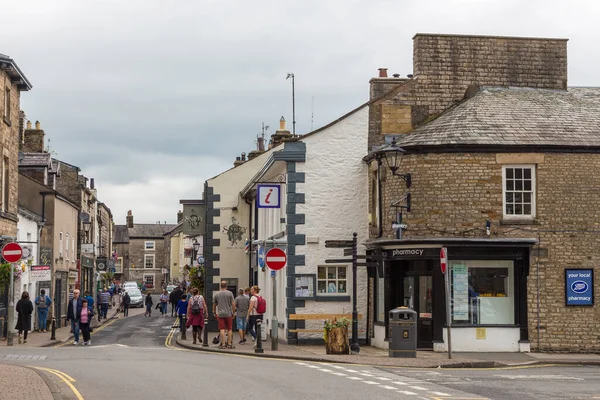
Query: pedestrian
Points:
[85, 317]
[90, 300]
[188, 294]
[174, 300]
[43, 302]
[24, 309]
[105, 300]
[73, 313]
[255, 312]
[99, 303]
[182, 305]
[195, 314]
[149, 304]
[241, 312]
[224, 308]
[164, 303]
[247, 293]
[126, 303]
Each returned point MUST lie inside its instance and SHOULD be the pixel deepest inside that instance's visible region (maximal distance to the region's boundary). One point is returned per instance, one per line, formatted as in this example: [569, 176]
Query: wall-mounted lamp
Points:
[393, 157]
[86, 226]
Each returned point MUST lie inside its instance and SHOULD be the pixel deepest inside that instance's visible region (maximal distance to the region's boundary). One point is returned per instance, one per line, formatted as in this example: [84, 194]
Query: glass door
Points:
[418, 296]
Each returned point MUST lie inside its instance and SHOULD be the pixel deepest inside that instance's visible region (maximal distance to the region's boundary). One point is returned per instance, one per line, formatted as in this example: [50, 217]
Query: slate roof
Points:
[120, 234]
[36, 160]
[515, 116]
[149, 230]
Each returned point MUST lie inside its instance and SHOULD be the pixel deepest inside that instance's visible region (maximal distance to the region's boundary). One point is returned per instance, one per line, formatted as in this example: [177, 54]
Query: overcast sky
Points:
[153, 97]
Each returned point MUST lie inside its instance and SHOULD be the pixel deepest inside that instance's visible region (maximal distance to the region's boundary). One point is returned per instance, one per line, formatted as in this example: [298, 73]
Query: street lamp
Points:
[393, 157]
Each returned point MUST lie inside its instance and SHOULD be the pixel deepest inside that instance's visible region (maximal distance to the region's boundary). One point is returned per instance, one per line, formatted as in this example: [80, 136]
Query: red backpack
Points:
[261, 305]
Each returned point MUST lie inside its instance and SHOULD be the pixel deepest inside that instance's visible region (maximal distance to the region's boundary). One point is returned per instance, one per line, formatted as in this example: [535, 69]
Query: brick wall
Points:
[454, 194]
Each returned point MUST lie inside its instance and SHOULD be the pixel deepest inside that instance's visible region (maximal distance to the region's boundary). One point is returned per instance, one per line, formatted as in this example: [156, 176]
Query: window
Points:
[7, 105]
[149, 281]
[149, 261]
[483, 292]
[149, 245]
[5, 184]
[119, 265]
[60, 244]
[519, 191]
[332, 280]
[67, 248]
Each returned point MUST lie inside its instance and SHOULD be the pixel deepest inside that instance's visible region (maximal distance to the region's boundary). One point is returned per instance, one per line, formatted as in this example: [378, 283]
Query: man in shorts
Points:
[224, 308]
[241, 306]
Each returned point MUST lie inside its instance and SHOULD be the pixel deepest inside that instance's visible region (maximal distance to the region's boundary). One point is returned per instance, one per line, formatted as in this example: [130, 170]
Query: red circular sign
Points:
[12, 252]
[443, 260]
[276, 259]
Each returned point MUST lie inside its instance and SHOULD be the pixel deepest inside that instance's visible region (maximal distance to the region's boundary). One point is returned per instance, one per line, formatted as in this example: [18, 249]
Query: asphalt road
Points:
[129, 359]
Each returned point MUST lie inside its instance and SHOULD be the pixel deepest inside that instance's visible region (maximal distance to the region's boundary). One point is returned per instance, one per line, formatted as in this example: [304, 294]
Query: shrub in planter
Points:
[335, 333]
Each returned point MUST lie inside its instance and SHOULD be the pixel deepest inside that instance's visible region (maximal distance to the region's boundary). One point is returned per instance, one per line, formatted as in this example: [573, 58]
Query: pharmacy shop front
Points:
[488, 292]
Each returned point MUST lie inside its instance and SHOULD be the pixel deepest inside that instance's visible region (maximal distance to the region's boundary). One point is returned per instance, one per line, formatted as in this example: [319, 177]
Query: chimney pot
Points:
[282, 124]
[91, 183]
[243, 156]
[383, 72]
[261, 144]
[396, 75]
[28, 124]
[37, 125]
[409, 76]
[238, 159]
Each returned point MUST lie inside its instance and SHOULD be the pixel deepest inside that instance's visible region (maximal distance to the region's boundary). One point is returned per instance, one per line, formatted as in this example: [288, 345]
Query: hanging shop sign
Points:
[194, 216]
[579, 287]
[39, 273]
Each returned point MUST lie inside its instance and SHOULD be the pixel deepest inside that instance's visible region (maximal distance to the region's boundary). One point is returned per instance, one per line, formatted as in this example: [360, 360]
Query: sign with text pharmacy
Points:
[579, 287]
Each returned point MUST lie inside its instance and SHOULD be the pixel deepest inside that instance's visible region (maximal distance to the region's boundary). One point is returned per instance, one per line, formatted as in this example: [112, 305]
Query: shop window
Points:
[482, 292]
[149, 261]
[519, 191]
[149, 281]
[332, 280]
[149, 245]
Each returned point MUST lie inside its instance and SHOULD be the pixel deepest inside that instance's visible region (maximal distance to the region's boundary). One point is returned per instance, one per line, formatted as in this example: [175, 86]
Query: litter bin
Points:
[403, 333]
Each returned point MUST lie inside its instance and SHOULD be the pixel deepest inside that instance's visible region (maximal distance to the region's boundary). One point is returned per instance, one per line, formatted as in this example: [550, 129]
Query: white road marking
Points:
[369, 375]
[418, 388]
[300, 363]
[325, 370]
[389, 387]
[541, 377]
[381, 378]
[400, 383]
[338, 367]
[313, 366]
[440, 394]
[354, 378]
[338, 374]
[371, 382]
[406, 392]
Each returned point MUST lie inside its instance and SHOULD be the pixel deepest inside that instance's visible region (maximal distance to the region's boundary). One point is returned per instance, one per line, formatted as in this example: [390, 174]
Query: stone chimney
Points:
[382, 84]
[239, 160]
[129, 219]
[33, 139]
[280, 134]
[179, 216]
[260, 148]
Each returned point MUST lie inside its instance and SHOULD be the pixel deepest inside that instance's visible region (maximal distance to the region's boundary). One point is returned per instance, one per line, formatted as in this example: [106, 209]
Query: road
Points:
[129, 358]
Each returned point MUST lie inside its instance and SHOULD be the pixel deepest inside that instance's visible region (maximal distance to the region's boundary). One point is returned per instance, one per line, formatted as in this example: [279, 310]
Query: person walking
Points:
[90, 300]
[164, 303]
[149, 303]
[85, 317]
[224, 308]
[195, 314]
[105, 301]
[174, 300]
[99, 304]
[73, 313]
[24, 309]
[242, 303]
[255, 311]
[43, 303]
[126, 303]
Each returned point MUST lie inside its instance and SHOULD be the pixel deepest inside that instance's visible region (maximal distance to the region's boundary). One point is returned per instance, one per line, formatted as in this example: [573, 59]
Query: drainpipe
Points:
[379, 202]
[52, 286]
[250, 274]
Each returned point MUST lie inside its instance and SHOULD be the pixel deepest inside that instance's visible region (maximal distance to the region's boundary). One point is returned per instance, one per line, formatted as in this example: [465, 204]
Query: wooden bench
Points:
[316, 317]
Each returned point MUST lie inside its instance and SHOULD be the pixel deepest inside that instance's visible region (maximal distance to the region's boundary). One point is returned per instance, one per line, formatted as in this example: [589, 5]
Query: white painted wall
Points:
[27, 230]
[497, 340]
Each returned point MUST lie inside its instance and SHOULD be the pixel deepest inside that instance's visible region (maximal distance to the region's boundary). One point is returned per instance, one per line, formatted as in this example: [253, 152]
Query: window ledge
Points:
[519, 221]
[9, 215]
[332, 298]
[6, 121]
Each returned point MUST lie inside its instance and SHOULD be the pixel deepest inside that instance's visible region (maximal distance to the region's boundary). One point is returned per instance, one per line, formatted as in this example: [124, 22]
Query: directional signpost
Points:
[12, 253]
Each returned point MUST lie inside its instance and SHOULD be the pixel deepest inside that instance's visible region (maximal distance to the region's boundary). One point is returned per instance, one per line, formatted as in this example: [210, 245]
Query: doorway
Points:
[418, 296]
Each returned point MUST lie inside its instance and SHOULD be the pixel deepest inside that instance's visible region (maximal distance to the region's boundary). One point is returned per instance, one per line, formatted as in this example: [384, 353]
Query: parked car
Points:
[130, 285]
[137, 299]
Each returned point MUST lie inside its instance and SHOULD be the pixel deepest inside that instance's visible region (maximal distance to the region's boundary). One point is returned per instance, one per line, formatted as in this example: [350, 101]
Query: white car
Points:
[130, 285]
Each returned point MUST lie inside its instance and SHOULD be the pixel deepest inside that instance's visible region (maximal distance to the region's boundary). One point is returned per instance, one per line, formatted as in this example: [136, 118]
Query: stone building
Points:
[503, 165]
[141, 251]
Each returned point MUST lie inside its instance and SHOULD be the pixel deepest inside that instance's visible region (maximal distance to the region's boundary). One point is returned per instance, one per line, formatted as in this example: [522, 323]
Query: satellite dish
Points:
[21, 156]
[84, 217]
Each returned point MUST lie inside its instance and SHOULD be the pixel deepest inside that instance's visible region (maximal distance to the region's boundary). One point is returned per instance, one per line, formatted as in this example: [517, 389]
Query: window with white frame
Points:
[60, 244]
[332, 280]
[67, 248]
[518, 187]
[119, 265]
[149, 261]
[149, 281]
[149, 245]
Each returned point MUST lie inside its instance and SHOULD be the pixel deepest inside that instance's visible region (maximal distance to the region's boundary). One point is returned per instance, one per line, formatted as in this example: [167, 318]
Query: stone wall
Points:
[137, 268]
[453, 194]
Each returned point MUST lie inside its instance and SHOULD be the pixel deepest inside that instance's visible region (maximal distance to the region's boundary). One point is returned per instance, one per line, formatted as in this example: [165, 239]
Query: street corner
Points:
[28, 380]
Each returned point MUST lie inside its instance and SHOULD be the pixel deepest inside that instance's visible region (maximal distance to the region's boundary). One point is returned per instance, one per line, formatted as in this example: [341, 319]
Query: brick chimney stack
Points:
[129, 219]
[33, 139]
[281, 134]
[179, 216]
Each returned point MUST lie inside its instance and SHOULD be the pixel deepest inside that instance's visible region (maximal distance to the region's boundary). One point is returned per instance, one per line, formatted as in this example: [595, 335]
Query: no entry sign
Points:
[443, 260]
[276, 259]
[12, 252]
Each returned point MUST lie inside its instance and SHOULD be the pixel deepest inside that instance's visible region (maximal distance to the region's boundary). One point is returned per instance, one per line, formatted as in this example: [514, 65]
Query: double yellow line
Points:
[172, 332]
[65, 378]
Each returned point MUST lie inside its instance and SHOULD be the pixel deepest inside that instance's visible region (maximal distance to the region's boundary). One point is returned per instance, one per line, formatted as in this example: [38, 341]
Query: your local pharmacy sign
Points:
[579, 287]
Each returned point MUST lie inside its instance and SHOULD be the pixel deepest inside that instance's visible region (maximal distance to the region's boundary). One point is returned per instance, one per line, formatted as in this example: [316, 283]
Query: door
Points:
[418, 296]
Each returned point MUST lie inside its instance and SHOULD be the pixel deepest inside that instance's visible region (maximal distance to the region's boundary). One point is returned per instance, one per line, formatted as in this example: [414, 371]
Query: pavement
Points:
[378, 357]
[20, 382]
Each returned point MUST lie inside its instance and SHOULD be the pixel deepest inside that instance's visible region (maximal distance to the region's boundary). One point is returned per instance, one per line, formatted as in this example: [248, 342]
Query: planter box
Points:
[337, 341]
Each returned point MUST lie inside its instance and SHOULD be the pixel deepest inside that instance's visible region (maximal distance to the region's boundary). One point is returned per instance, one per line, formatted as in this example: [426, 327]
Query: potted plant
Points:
[335, 333]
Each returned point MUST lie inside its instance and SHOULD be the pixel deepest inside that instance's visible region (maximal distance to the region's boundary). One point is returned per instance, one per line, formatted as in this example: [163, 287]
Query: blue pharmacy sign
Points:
[579, 287]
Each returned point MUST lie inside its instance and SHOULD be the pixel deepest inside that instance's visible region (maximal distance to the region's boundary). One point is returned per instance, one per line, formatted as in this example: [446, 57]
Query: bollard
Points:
[183, 329]
[53, 334]
[205, 332]
[259, 348]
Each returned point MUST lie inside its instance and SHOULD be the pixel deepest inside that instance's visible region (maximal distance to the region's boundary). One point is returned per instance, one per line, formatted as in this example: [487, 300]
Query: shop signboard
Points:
[194, 219]
[579, 287]
[413, 253]
[39, 273]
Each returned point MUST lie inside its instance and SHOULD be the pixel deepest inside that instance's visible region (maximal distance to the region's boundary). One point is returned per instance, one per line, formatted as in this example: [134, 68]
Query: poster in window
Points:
[579, 287]
[460, 283]
[304, 286]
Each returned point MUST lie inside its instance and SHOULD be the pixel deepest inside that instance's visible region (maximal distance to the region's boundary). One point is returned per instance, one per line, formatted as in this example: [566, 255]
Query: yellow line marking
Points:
[65, 378]
[169, 337]
[98, 329]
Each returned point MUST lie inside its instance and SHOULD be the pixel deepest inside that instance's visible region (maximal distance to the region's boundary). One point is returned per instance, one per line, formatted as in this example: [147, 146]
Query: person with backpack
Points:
[43, 302]
[195, 314]
[149, 303]
[258, 306]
